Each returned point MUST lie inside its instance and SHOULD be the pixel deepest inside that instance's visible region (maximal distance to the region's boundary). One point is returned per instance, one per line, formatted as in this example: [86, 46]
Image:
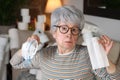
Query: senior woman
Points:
[67, 60]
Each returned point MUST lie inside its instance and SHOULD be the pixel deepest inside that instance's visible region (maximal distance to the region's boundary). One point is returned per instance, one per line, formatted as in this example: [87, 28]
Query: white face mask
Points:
[29, 49]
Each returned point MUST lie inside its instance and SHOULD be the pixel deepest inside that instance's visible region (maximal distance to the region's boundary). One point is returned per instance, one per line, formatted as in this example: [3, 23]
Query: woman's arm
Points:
[107, 43]
[115, 74]
[113, 70]
[18, 62]
[17, 59]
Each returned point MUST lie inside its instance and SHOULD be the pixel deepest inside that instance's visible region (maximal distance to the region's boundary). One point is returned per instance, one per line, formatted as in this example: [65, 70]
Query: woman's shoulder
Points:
[81, 47]
[49, 49]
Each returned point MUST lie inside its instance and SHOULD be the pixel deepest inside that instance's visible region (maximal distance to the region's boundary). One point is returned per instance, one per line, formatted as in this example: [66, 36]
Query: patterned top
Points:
[74, 66]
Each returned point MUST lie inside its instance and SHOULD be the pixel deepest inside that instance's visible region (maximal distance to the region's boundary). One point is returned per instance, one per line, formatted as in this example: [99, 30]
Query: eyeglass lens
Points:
[64, 29]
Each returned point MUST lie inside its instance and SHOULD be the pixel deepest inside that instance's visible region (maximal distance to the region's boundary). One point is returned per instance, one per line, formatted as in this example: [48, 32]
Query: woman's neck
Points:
[64, 51]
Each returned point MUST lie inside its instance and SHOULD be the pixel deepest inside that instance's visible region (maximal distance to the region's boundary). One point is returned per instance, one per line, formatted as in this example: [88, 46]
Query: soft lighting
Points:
[52, 4]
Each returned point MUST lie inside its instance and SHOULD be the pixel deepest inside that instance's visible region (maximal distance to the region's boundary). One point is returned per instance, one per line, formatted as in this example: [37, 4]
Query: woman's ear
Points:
[54, 35]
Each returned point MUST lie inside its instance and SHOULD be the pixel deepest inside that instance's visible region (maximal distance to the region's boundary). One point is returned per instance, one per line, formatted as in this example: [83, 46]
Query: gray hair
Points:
[67, 14]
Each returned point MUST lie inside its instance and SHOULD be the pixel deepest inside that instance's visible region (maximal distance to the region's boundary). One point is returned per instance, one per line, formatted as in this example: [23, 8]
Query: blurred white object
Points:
[29, 49]
[3, 43]
[41, 19]
[90, 27]
[4, 55]
[26, 19]
[24, 12]
[98, 56]
[22, 26]
[90, 30]
[14, 39]
[40, 26]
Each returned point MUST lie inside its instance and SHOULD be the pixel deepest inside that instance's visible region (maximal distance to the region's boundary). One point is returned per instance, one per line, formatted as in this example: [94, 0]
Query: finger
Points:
[29, 38]
[106, 39]
[102, 40]
[36, 38]
[111, 43]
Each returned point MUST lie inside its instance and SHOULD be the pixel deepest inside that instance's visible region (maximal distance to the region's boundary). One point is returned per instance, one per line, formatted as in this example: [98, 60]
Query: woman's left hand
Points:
[106, 42]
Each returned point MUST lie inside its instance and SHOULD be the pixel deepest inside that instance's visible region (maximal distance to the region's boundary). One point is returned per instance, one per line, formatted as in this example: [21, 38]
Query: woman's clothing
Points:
[74, 66]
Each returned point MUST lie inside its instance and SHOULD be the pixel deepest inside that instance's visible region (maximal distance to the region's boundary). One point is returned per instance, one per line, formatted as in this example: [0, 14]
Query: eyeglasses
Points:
[64, 29]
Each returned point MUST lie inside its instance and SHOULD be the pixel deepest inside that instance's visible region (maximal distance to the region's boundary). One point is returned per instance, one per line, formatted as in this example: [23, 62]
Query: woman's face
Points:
[66, 40]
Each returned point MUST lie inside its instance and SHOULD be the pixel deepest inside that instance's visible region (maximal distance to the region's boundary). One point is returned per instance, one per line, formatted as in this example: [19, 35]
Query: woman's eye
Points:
[64, 28]
[74, 30]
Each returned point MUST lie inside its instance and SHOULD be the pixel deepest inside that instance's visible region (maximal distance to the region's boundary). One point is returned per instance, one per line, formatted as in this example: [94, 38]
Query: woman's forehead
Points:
[68, 24]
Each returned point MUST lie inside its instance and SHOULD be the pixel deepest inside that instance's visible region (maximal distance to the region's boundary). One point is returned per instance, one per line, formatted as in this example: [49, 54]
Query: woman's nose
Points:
[69, 32]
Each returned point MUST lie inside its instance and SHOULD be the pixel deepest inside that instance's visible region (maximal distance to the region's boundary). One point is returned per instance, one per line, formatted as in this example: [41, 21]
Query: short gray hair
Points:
[67, 14]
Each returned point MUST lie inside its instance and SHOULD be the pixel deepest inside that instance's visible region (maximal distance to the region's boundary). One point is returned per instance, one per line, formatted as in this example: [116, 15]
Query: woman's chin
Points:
[69, 46]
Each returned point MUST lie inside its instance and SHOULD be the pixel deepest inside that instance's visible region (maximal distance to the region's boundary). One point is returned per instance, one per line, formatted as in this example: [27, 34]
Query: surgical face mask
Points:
[29, 49]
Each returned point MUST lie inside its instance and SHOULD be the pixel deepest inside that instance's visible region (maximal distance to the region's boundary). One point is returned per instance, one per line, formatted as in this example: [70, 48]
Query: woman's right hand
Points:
[29, 48]
[34, 37]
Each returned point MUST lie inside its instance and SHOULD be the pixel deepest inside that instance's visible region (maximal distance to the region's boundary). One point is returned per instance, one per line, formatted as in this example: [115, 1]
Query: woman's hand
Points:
[34, 37]
[106, 42]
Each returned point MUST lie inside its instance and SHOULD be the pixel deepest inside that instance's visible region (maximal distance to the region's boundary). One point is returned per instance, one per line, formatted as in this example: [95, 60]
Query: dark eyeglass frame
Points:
[71, 29]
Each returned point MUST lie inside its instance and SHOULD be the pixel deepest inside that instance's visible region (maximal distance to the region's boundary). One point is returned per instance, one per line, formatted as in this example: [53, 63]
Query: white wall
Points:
[110, 27]
[77, 3]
